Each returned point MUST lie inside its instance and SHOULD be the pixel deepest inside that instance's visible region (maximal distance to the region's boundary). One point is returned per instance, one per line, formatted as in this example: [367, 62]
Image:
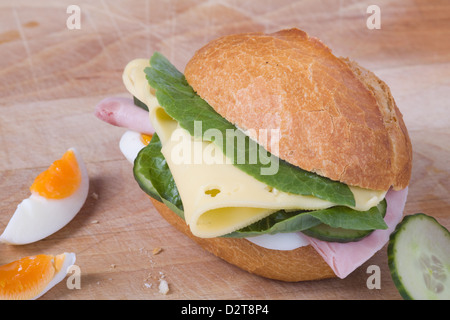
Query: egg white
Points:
[130, 144]
[37, 217]
[69, 260]
[280, 241]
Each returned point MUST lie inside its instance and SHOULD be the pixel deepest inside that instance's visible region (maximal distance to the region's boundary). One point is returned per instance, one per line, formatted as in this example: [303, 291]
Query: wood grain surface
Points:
[51, 79]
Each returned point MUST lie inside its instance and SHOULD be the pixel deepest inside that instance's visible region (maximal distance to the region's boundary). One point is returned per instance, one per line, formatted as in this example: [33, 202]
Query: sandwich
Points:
[269, 152]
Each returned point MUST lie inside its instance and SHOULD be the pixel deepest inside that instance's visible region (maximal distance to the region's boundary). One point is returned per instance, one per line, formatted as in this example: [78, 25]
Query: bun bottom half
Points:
[301, 264]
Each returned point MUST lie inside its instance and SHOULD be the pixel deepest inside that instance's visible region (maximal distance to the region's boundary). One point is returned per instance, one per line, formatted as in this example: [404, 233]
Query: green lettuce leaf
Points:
[334, 217]
[154, 177]
[278, 222]
[347, 218]
[180, 102]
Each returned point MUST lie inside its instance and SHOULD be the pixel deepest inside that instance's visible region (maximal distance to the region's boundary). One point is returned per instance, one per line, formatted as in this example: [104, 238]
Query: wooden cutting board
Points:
[51, 78]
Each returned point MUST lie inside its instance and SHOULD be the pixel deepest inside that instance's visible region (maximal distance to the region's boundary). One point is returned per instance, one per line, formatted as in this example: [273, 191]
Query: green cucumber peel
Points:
[419, 258]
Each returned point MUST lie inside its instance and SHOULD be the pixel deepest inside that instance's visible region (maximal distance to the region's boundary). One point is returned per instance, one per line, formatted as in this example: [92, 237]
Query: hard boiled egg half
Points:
[132, 142]
[30, 277]
[57, 195]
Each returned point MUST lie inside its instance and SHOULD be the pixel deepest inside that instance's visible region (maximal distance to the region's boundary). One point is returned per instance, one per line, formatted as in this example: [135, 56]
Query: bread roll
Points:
[336, 118]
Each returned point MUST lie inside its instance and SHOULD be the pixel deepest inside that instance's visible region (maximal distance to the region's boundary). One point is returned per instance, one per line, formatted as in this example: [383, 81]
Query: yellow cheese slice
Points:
[136, 83]
[217, 197]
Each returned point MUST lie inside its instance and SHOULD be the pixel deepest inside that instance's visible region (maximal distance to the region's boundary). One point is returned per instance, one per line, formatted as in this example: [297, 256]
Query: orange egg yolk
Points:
[27, 277]
[146, 138]
[60, 180]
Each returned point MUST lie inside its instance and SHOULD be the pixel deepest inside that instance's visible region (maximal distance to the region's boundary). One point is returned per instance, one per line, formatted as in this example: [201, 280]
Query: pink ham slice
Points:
[344, 258]
[122, 112]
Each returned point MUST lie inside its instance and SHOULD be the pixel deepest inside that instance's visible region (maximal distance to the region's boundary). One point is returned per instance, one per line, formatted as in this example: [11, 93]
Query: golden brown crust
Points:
[301, 264]
[335, 118]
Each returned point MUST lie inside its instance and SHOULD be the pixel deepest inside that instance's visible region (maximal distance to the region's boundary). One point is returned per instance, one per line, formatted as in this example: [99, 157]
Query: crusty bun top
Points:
[335, 118]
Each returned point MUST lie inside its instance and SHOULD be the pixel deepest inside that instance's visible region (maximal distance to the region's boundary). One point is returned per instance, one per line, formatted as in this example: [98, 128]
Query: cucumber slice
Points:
[326, 233]
[419, 258]
[139, 103]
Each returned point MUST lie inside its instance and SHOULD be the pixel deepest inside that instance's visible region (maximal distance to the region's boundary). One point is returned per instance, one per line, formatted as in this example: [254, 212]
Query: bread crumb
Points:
[94, 195]
[163, 287]
[94, 221]
[156, 250]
